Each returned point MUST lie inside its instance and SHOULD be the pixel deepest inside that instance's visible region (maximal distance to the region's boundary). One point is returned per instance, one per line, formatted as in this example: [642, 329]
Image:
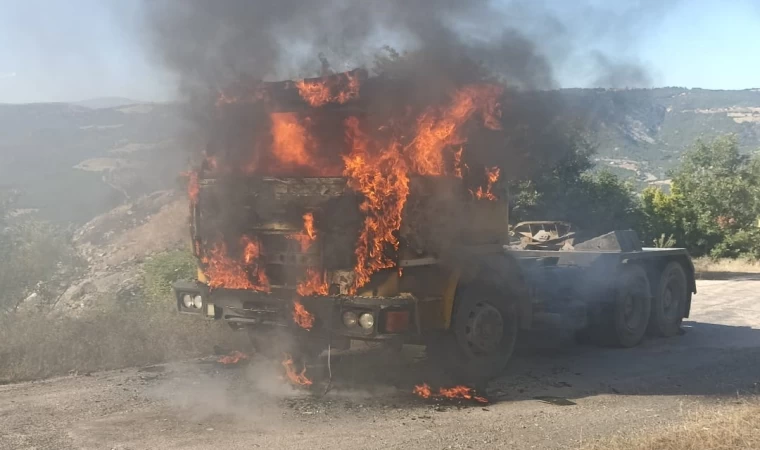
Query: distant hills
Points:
[641, 133]
[72, 161]
[106, 102]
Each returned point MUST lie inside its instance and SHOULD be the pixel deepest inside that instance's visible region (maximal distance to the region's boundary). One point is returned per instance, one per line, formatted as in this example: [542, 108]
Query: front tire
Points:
[481, 338]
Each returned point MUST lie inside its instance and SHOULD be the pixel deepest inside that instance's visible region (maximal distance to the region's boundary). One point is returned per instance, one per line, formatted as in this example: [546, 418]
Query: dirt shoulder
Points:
[609, 394]
[725, 427]
[710, 269]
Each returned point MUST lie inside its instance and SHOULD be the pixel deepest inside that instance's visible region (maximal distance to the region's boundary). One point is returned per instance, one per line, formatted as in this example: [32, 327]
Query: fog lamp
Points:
[187, 301]
[349, 319]
[198, 302]
[366, 320]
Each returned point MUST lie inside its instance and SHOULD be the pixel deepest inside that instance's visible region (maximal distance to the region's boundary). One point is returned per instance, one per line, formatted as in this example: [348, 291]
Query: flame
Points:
[291, 143]
[223, 271]
[439, 128]
[314, 284]
[308, 235]
[428, 142]
[293, 376]
[301, 316]
[492, 176]
[321, 92]
[424, 391]
[458, 163]
[308, 226]
[233, 358]
[381, 176]
[193, 187]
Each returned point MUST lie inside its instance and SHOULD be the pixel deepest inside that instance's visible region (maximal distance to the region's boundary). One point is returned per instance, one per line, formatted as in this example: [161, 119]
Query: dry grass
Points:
[37, 346]
[719, 428]
[709, 266]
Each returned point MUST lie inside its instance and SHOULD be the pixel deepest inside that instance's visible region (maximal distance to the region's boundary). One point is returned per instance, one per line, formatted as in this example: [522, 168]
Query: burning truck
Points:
[335, 209]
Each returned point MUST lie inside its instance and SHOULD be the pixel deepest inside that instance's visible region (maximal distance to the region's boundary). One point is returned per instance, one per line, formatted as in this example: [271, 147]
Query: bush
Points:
[713, 205]
[162, 270]
[32, 254]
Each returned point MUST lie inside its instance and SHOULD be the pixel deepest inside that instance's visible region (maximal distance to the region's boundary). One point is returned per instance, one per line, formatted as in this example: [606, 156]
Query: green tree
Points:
[595, 203]
[32, 253]
[713, 205]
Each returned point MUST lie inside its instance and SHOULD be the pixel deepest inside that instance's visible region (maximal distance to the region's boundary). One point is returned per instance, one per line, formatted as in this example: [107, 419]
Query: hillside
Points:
[72, 162]
[106, 102]
[642, 132]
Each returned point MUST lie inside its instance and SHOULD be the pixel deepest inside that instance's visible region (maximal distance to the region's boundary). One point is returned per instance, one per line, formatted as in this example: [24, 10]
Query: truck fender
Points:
[500, 272]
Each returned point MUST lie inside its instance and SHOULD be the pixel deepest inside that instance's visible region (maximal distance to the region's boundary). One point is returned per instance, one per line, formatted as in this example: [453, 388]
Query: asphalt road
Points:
[201, 404]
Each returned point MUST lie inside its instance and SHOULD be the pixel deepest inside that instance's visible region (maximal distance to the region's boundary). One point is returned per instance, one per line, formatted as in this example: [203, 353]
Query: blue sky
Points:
[68, 50]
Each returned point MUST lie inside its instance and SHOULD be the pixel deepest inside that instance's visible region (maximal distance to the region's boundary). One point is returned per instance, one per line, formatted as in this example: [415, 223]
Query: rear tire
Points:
[631, 309]
[481, 338]
[669, 301]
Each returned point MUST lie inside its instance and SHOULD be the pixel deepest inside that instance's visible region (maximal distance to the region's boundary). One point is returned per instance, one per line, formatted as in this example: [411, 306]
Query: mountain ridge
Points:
[73, 162]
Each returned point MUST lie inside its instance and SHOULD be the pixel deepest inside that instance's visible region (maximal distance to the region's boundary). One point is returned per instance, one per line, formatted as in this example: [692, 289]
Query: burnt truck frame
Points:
[467, 307]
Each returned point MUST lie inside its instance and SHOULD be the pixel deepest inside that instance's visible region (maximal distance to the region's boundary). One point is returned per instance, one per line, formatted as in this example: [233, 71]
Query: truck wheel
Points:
[669, 301]
[482, 335]
[631, 308]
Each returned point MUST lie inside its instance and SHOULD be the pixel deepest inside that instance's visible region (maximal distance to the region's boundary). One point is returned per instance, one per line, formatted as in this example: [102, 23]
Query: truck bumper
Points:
[394, 318]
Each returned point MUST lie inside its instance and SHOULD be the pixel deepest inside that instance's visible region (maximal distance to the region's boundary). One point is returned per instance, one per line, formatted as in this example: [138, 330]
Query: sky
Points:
[72, 50]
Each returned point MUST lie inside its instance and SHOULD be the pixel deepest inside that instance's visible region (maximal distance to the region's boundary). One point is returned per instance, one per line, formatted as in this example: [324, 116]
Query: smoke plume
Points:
[426, 55]
[214, 43]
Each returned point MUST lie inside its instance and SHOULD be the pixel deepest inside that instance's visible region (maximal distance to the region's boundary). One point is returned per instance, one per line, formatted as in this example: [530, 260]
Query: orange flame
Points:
[314, 284]
[424, 391]
[377, 169]
[309, 234]
[308, 226]
[223, 271]
[291, 143]
[438, 128]
[458, 163]
[382, 178]
[193, 187]
[492, 176]
[295, 377]
[303, 318]
[233, 358]
[321, 92]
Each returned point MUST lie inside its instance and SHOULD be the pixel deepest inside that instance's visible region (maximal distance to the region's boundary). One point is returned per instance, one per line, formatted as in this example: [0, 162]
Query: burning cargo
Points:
[353, 207]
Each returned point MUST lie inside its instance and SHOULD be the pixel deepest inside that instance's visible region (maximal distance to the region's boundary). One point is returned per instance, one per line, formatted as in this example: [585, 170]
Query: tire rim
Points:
[484, 329]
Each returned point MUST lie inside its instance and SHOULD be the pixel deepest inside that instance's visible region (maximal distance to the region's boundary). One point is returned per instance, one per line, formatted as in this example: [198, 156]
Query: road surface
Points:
[201, 404]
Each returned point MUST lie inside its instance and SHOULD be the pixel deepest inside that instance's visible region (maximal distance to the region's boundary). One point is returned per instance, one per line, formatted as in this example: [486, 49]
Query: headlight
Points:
[187, 301]
[366, 320]
[349, 319]
[198, 302]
